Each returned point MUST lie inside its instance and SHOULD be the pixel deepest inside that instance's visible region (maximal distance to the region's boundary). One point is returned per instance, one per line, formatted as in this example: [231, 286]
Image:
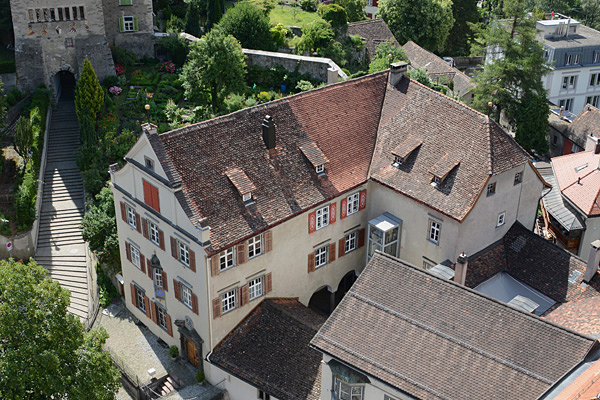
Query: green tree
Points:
[44, 351]
[354, 8]
[216, 66]
[278, 34]
[420, 75]
[248, 24]
[426, 22]
[513, 81]
[214, 13]
[382, 59]
[590, 13]
[334, 14]
[99, 229]
[24, 133]
[2, 106]
[192, 19]
[465, 12]
[89, 99]
[315, 35]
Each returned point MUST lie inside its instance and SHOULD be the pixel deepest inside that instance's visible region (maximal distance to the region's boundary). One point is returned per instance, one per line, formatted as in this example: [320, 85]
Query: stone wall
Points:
[140, 42]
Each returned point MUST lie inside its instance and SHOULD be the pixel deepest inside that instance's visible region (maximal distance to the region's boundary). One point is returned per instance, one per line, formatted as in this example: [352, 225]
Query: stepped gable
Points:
[477, 145]
[435, 339]
[340, 119]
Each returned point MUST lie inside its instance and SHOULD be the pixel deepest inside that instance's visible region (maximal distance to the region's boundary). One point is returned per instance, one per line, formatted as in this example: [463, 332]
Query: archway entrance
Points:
[64, 83]
[345, 285]
[322, 300]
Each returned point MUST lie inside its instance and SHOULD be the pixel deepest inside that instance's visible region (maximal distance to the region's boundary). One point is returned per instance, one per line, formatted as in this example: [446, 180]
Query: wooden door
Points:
[192, 353]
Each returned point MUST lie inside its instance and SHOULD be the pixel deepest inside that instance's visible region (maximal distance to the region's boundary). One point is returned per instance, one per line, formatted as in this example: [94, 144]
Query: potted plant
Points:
[200, 376]
[173, 351]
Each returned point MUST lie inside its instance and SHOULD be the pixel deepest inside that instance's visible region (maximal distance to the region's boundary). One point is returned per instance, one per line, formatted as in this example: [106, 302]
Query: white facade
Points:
[573, 88]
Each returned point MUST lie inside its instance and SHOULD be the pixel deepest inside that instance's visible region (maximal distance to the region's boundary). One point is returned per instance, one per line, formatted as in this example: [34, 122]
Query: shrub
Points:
[308, 5]
[235, 102]
[264, 97]
[167, 67]
[176, 47]
[120, 70]
[248, 24]
[110, 80]
[278, 34]
[173, 351]
[334, 14]
[303, 86]
[25, 199]
[115, 90]
[200, 376]
[107, 291]
[123, 56]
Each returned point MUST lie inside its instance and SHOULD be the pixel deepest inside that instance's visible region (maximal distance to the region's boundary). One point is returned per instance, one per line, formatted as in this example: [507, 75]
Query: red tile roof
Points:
[240, 180]
[578, 178]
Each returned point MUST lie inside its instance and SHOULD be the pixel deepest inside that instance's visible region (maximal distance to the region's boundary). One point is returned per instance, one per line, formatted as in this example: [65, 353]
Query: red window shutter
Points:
[165, 281]
[147, 193]
[155, 199]
[241, 253]
[312, 222]
[363, 200]
[332, 252]
[138, 223]
[332, 213]
[361, 237]
[147, 307]
[214, 265]
[154, 313]
[142, 263]
[341, 247]
[268, 241]
[169, 326]
[161, 239]
[149, 268]
[195, 304]
[145, 228]
[344, 210]
[174, 251]
[192, 261]
[123, 212]
[132, 294]
[268, 283]
[128, 251]
[216, 306]
[176, 290]
[311, 262]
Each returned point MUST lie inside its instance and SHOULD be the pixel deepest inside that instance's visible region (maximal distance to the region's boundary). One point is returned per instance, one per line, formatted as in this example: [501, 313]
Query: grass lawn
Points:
[290, 16]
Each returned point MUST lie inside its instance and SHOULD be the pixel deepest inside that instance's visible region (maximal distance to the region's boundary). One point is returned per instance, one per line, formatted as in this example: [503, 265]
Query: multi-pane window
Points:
[255, 288]
[434, 231]
[569, 82]
[161, 317]
[263, 396]
[135, 256]
[128, 24]
[352, 205]
[30, 13]
[321, 256]
[139, 299]
[427, 265]
[350, 242]
[149, 163]
[81, 12]
[518, 178]
[158, 277]
[596, 57]
[491, 188]
[228, 301]
[322, 217]
[226, 259]
[186, 295]
[320, 169]
[595, 79]
[184, 253]
[501, 218]
[254, 246]
[566, 104]
[571, 59]
[593, 100]
[131, 217]
[345, 391]
[60, 14]
[154, 236]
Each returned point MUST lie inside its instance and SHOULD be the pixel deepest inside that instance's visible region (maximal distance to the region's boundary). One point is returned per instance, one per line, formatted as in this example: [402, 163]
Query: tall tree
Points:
[513, 81]
[464, 12]
[89, 99]
[192, 19]
[214, 13]
[99, 229]
[425, 22]
[248, 24]
[24, 133]
[216, 66]
[2, 106]
[354, 8]
[590, 13]
[44, 351]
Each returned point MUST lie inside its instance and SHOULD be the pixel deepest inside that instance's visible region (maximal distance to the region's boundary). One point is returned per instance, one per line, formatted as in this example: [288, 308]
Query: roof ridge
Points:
[489, 137]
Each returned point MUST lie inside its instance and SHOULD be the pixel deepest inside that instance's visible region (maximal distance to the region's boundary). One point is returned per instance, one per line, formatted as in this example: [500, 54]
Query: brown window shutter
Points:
[138, 223]
[362, 203]
[268, 241]
[361, 237]
[123, 212]
[268, 283]
[311, 262]
[161, 239]
[142, 263]
[145, 228]
[192, 261]
[214, 265]
[128, 251]
[332, 213]
[154, 313]
[216, 305]
[341, 247]
[332, 252]
[312, 222]
[147, 307]
[176, 290]
[244, 295]
[149, 269]
[174, 247]
[195, 304]
[165, 281]
[132, 294]
[169, 326]
[241, 253]
[344, 208]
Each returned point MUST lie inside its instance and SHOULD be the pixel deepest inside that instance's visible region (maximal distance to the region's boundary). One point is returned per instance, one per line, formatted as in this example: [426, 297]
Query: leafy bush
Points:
[308, 5]
[248, 24]
[316, 34]
[200, 376]
[99, 229]
[25, 200]
[420, 75]
[334, 14]
[123, 56]
[303, 86]
[110, 81]
[7, 67]
[278, 34]
[106, 289]
[176, 47]
[235, 102]
[13, 97]
[173, 351]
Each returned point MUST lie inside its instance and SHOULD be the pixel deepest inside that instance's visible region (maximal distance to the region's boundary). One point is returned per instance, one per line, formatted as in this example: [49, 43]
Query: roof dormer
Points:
[314, 155]
[242, 183]
[405, 149]
[442, 168]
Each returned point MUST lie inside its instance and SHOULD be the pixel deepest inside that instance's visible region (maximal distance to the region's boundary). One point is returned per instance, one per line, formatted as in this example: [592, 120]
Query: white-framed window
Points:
[154, 236]
[322, 217]
[350, 242]
[427, 265]
[226, 259]
[595, 79]
[135, 256]
[321, 256]
[158, 278]
[518, 178]
[569, 82]
[596, 57]
[567, 104]
[184, 253]
[491, 188]
[228, 301]
[128, 24]
[352, 203]
[263, 396]
[131, 217]
[247, 197]
[319, 169]
[593, 100]
[255, 246]
[139, 299]
[501, 218]
[149, 163]
[161, 317]
[345, 391]
[186, 295]
[435, 229]
[574, 58]
[255, 288]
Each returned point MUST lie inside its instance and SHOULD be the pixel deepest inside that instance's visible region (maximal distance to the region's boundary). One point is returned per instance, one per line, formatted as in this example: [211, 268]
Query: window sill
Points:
[253, 257]
[500, 226]
[225, 269]
[319, 228]
[228, 311]
[434, 242]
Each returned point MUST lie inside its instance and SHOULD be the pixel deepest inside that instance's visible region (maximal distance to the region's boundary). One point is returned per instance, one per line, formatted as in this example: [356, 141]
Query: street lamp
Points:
[147, 107]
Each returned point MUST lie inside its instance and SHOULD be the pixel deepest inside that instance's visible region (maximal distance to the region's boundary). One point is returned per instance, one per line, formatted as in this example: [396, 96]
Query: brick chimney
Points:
[268, 132]
[397, 71]
[149, 128]
[593, 260]
[460, 269]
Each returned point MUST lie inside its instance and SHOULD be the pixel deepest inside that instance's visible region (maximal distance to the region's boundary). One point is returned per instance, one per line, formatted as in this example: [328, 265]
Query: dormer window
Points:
[320, 169]
[442, 168]
[242, 183]
[149, 163]
[405, 149]
[436, 181]
[314, 155]
[397, 162]
[247, 197]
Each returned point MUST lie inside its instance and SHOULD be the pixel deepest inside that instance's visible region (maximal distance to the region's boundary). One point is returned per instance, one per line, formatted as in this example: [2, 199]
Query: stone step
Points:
[57, 243]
